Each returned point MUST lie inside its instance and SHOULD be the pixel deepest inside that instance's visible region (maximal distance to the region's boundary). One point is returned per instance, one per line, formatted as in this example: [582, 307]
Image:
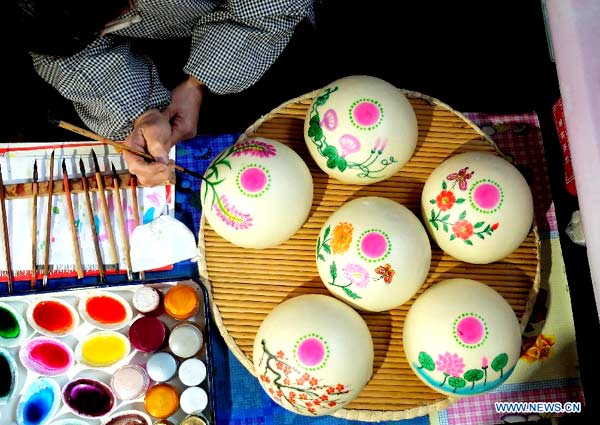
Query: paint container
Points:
[39, 403]
[149, 301]
[129, 417]
[13, 329]
[88, 398]
[193, 400]
[181, 302]
[163, 422]
[186, 340]
[8, 376]
[52, 317]
[161, 401]
[130, 382]
[148, 334]
[194, 420]
[105, 310]
[192, 372]
[102, 349]
[161, 367]
[46, 356]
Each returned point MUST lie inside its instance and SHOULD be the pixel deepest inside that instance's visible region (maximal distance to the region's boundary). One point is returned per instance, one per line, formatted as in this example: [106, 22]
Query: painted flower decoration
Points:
[450, 364]
[254, 148]
[342, 237]
[230, 215]
[461, 178]
[357, 274]
[386, 272]
[463, 229]
[445, 200]
[541, 349]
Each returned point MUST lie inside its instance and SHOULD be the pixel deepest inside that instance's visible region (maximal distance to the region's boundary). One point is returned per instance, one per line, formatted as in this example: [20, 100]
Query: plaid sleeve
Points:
[109, 85]
[233, 46]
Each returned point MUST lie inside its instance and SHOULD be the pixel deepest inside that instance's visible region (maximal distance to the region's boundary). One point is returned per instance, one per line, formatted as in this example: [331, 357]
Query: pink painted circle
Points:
[486, 196]
[311, 352]
[470, 330]
[253, 179]
[366, 113]
[373, 245]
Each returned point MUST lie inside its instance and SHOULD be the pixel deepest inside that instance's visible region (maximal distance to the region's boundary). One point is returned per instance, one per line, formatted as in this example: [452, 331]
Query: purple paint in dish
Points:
[88, 397]
[148, 334]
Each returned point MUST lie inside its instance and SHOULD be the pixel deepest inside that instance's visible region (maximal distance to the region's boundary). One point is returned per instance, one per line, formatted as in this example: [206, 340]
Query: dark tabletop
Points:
[475, 56]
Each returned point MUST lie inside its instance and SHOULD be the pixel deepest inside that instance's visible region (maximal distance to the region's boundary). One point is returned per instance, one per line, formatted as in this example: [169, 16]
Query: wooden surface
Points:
[247, 284]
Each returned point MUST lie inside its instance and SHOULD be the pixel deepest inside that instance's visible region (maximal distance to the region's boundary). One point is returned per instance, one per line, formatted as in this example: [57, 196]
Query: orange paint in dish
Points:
[161, 401]
[106, 310]
[181, 302]
[53, 316]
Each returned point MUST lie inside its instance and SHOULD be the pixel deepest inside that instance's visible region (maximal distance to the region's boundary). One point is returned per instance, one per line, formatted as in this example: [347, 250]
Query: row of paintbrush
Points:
[75, 241]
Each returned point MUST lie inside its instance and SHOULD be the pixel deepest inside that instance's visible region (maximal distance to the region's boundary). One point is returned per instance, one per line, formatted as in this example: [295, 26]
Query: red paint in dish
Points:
[148, 334]
[105, 310]
[53, 316]
[51, 355]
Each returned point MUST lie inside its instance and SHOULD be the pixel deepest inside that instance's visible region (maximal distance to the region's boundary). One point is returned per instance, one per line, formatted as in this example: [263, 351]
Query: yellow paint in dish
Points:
[181, 302]
[103, 349]
[161, 401]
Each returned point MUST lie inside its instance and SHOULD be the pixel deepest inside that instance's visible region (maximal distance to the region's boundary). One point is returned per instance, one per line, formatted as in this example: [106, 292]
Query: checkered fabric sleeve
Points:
[109, 85]
[235, 44]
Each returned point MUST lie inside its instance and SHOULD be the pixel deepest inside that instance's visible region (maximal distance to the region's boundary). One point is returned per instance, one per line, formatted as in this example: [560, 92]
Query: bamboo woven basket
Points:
[245, 284]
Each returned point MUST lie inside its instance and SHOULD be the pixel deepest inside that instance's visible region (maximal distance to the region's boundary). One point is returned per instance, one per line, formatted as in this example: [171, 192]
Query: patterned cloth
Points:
[548, 369]
[233, 44]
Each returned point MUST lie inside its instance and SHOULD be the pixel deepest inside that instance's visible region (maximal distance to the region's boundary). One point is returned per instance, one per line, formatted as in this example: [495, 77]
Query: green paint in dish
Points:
[9, 324]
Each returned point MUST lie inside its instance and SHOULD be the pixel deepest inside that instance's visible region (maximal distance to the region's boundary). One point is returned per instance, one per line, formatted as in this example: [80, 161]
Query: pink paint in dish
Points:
[46, 356]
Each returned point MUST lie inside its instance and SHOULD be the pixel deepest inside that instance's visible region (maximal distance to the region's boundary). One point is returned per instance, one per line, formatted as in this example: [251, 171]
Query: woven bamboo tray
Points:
[247, 284]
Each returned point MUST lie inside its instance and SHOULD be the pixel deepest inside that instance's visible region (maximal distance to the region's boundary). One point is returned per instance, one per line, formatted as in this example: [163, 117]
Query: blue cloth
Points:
[239, 398]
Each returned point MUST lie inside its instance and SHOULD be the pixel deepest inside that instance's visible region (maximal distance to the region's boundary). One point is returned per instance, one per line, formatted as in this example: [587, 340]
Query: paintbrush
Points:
[136, 214]
[48, 221]
[88, 203]
[118, 145]
[121, 218]
[67, 189]
[105, 213]
[6, 235]
[34, 218]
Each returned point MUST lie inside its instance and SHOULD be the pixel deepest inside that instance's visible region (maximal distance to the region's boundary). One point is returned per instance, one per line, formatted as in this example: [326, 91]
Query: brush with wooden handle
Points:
[119, 145]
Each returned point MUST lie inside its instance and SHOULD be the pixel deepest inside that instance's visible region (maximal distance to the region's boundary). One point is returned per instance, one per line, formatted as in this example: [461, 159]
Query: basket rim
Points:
[345, 413]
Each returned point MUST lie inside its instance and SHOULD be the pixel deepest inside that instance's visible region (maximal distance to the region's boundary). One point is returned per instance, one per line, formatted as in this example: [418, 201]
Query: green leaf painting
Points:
[426, 362]
[500, 362]
[473, 375]
[456, 383]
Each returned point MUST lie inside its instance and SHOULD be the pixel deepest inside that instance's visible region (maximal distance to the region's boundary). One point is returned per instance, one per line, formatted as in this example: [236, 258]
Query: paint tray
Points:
[71, 297]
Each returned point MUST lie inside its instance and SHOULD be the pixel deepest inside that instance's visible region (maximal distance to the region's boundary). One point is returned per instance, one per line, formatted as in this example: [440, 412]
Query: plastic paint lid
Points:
[161, 367]
[148, 300]
[181, 302]
[192, 372]
[130, 381]
[161, 401]
[186, 340]
[193, 400]
[148, 334]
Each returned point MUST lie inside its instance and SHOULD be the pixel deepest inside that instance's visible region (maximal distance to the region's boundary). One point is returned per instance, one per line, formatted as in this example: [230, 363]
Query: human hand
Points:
[152, 132]
[184, 109]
